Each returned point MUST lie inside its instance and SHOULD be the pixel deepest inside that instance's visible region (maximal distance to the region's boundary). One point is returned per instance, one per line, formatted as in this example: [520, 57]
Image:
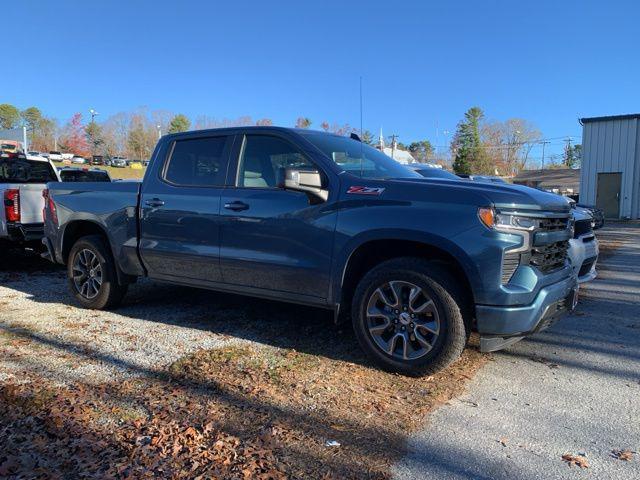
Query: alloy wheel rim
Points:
[87, 273]
[402, 320]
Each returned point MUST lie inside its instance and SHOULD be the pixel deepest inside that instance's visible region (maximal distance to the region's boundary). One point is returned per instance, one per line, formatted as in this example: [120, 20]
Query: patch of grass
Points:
[124, 173]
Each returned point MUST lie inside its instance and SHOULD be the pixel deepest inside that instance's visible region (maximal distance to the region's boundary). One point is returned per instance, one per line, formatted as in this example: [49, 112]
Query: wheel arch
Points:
[76, 229]
[362, 254]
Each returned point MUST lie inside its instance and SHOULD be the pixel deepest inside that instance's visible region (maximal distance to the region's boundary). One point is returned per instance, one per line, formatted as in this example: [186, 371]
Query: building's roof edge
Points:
[628, 116]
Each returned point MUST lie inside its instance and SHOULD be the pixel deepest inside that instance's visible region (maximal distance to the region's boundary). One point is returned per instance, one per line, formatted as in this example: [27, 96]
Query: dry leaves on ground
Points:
[625, 455]
[578, 460]
[239, 412]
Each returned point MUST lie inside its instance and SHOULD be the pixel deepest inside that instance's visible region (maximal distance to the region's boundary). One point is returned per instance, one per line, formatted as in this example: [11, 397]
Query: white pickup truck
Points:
[22, 180]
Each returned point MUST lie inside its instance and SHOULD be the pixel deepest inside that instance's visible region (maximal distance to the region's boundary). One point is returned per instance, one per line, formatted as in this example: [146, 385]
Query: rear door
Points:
[180, 210]
[274, 239]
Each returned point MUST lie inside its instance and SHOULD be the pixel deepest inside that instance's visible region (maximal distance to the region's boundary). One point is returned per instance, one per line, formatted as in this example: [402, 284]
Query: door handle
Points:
[236, 206]
[154, 202]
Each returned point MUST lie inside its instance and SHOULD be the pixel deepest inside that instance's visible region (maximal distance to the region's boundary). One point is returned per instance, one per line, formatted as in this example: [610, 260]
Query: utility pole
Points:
[544, 142]
[394, 137]
[93, 114]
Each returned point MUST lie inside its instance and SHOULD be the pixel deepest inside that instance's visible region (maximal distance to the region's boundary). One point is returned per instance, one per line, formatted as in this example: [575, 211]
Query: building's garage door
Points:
[608, 196]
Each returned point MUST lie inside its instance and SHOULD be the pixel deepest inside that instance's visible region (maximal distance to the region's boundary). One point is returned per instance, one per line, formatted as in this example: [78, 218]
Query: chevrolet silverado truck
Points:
[22, 181]
[319, 219]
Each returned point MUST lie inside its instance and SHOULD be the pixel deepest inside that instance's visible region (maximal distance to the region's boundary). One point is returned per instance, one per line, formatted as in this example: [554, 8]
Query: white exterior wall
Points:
[610, 146]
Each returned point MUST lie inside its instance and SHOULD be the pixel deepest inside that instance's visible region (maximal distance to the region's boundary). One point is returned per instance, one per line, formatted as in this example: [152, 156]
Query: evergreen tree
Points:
[572, 156]
[179, 123]
[94, 137]
[470, 155]
[9, 116]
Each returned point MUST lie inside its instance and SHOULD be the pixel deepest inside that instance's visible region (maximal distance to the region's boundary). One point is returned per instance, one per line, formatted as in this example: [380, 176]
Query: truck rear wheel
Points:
[406, 318]
[92, 276]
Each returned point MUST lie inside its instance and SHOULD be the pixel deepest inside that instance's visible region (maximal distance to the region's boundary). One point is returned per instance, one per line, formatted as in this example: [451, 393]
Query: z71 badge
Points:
[366, 190]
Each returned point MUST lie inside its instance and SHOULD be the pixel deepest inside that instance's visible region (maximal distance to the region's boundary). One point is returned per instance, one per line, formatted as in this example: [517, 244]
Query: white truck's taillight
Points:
[49, 206]
[12, 205]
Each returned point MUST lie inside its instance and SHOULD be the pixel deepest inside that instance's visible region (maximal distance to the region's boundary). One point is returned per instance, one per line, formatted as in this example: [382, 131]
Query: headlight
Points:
[505, 221]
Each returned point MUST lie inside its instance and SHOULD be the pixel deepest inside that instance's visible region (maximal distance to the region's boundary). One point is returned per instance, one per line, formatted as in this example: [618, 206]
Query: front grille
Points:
[582, 227]
[549, 257]
[586, 266]
[553, 224]
[510, 262]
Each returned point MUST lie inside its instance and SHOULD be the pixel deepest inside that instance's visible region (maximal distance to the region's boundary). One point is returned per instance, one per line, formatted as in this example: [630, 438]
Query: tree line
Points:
[477, 147]
[501, 148]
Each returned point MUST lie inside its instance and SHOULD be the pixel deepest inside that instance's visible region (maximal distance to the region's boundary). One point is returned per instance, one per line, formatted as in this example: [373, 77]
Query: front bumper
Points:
[583, 254]
[501, 326]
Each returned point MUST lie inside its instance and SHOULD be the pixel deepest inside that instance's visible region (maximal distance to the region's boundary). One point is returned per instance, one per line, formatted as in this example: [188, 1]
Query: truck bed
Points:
[113, 206]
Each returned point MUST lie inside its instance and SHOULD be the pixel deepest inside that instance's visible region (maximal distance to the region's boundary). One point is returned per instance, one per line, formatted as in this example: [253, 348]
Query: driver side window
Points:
[261, 158]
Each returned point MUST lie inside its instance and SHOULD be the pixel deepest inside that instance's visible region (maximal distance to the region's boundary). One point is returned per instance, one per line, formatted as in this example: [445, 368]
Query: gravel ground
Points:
[572, 389]
[43, 332]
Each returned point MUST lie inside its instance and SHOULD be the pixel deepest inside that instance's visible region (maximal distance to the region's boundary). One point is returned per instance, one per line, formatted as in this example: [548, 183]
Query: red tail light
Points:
[12, 205]
[48, 204]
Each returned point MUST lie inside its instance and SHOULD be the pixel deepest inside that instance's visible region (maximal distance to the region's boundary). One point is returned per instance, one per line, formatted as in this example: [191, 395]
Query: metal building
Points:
[610, 176]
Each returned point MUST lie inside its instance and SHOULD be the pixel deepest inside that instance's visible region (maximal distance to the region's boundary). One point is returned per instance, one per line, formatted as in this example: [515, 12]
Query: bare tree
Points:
[509, 143]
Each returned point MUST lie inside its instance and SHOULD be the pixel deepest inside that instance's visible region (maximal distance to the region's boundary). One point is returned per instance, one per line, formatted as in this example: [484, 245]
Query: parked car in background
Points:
[75, 174]
[22, 181]
[10, 148]
[34, 153]
[78, 159]
[55, 156]
[97, 160]
[430, 172]
[596, 213]
[583, 247]
[321, 219]
[119, 162]
[484, 178]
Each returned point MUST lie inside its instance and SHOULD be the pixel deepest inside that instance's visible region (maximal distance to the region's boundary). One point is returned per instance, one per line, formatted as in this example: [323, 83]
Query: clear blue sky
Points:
[422, 63]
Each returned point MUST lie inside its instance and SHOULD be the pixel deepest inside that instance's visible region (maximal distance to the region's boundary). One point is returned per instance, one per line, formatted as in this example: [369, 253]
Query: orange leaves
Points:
[578, 460]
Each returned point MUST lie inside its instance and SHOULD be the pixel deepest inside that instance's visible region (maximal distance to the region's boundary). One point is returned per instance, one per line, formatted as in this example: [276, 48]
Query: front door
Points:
[608, 196]
[274, 239]
[180, 211]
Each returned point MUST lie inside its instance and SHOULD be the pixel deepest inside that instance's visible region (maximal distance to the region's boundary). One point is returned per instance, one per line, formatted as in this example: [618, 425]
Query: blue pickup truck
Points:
[319, 219]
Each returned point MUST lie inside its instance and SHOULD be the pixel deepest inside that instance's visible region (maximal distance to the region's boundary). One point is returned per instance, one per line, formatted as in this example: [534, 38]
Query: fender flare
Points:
[344, 255]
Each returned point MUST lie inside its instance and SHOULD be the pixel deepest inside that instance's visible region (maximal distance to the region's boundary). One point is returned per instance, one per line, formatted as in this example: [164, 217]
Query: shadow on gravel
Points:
[177, 403]
[284, 325]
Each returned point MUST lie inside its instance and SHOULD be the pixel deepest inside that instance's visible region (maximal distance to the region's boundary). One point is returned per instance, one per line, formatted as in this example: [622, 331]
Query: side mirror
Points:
[306, 180]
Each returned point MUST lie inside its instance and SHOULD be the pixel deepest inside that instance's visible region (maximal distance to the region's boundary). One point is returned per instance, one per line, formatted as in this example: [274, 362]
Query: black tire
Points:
[110, 292]
[438, 286]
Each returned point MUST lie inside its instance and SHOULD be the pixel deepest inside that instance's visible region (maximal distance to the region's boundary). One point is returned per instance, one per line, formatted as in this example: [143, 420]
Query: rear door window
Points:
[26, 171]
[198, 162]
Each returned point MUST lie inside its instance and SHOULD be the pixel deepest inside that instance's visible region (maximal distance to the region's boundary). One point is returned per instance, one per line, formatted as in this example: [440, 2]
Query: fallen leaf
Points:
[578, 460]
[625, 455]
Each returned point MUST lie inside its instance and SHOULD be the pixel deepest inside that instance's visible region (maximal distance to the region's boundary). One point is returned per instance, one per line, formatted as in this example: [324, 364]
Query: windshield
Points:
[437, 173]
[358, 158]
[26, 171]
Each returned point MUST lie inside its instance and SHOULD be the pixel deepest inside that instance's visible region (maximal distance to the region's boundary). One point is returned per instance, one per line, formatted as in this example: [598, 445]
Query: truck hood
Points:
[500, 195]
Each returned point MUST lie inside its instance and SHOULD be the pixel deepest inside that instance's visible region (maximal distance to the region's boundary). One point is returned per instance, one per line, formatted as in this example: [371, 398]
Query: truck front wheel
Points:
[406, 318]
[92, 276]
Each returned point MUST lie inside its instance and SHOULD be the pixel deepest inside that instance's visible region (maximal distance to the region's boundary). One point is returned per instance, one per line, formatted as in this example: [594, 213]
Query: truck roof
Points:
[252, 128]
